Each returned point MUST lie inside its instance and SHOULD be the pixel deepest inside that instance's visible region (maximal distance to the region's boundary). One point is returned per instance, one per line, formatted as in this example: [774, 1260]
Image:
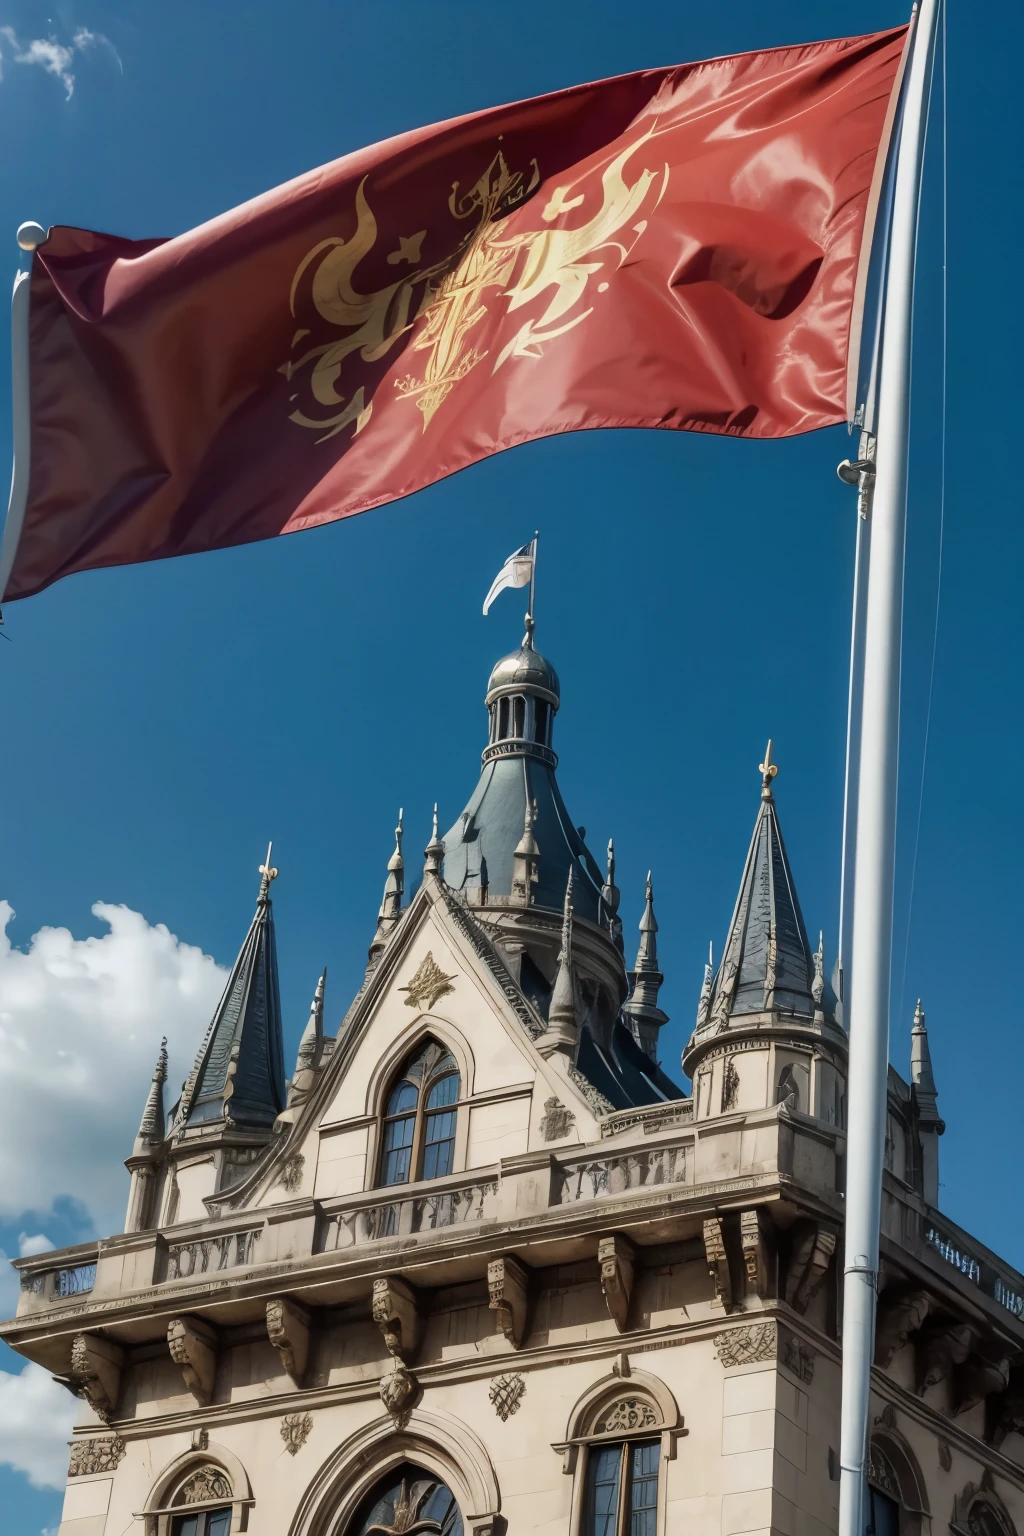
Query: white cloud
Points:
[29, 1245]
[36, 1416]
[54, 57]
[80, 1028]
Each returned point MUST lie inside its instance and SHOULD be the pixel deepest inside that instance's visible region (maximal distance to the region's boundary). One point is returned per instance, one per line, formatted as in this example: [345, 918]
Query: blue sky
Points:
[160, 723]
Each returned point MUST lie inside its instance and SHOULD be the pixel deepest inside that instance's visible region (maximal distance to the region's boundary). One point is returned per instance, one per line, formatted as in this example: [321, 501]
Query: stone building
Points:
[482, 1266]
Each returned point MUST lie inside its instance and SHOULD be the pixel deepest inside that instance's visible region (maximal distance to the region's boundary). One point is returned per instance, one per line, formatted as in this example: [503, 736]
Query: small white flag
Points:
[516, 572]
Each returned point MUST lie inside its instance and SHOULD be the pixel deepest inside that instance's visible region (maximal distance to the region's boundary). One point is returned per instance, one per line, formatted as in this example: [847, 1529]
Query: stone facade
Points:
[563, 1301]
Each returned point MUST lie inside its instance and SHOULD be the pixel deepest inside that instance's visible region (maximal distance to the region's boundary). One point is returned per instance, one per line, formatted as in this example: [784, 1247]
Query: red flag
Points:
[677, 248]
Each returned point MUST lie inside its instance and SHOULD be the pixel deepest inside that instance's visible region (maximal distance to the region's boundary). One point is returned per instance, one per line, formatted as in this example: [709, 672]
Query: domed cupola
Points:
[522, 698]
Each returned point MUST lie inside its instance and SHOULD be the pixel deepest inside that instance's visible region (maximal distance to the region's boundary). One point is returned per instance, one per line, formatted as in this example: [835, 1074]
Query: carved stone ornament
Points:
[508, 1296]
[557, 1121]
[745, 1346]
[627, 1414]
[193, 1346]
[617, 1259]
[796, 1356]
[396, 1313]
[594, 1097]
[96, 1373]
[428, 985]
[718, 1261]
[398, 1389]
[506, 1393]
[887, 1417]
[978, 1378]
[813, 1247]
[755, 1240]
[101, 1453]
[295, 1428]
[205, 1484]
[288, 1330]
[898, 1318]
[730, 1084]
[939, 1349]
[881, 1473]
[290, 1177]
[945, 1456]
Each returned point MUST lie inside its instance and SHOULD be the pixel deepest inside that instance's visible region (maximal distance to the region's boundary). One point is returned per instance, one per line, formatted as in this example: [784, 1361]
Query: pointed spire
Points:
[767, 962]
[391, 903]
[238, 1076]
[434, 852]
[525, 859]
[312, 1042]
[921, 1075]
[153, 1126]
[641, 1011]
[611, 897]
[704, 1001]
[563, 1023]
[818, 984]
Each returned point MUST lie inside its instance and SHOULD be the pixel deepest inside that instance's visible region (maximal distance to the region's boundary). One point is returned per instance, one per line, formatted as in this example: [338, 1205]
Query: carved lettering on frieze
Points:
[295, 1428]
[746, 1346]
[898, 1317]
[756, 1240]
[506, 1393]
[939, 1348]
[428, 985]
[617, 1260]
[288, 1329]
[193, 1346]
[718, 1261]
[396, 1313]
[508, 1296]
[96, 1373]
[100, 1453]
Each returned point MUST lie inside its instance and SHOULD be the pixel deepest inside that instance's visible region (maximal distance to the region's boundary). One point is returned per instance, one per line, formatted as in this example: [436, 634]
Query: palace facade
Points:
[481, 1266]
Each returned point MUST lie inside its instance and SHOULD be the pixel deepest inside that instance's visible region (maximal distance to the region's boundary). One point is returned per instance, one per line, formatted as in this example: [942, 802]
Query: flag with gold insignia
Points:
[680, 248]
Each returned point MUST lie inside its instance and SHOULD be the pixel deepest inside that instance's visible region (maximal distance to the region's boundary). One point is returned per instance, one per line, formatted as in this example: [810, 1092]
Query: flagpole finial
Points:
[767, 770]
[268, 873]
[30, 235]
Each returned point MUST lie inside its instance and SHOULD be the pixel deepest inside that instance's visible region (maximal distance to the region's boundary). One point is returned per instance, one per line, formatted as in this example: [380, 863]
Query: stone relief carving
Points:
[211, 1254]
[295, 1428]
[398, 1390]
[193, 1346]
[205, 1484]
[290, 1177]
[945, 1456]
[424, 1213]
[745, 1346]
[617, 1260]
[979, 1378]
[288, 1329]
[730, 1084]
[506, 1393]
[881, 1473]
[485, 951]
[756, 1241]
[95, 1373]
[898, 1318]
[939, 1349]
[428, 985]
[796, 1356]
[396, 1313]
[557, 1122]
[627, 1414]
[887, 1417]
[597, 1101]
[811, 1253]
[508, 1296]
[615, 1175]
[101, 1453]
[718, 1261]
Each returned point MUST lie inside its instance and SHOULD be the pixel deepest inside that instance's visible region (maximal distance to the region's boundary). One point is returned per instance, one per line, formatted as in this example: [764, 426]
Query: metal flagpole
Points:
[875, 808]
[29, 236]
[533, 569]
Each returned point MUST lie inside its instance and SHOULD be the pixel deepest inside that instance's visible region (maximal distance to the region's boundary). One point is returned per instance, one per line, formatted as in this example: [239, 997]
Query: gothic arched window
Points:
[418, 1130]
[621, 1489]
[983, 1519]
[407, 1499]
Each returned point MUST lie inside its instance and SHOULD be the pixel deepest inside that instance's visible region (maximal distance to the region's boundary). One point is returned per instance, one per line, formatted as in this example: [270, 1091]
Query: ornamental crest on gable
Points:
[428, 985]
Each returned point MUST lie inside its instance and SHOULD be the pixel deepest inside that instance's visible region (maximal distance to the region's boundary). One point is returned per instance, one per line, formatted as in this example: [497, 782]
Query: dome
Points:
[524, 671]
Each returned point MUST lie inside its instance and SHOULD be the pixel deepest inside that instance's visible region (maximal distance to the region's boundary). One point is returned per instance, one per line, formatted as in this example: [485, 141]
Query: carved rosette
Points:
[295, 1428]
[506, 1393]
[398, 1391]
[101, 1453]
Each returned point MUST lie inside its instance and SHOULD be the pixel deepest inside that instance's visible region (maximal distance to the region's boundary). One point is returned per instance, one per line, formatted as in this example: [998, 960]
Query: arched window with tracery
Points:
[620, 1495]
[983, 1519]
[407, 1499]
[418, 1129]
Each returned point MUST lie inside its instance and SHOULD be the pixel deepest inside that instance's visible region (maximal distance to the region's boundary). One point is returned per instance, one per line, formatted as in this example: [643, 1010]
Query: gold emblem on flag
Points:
[443, 304]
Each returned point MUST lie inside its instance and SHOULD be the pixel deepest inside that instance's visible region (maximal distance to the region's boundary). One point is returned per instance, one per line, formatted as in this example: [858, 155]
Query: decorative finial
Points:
[611, 897]
[566, 950]
[768, 770]
[528, 637]
[433, 854]
[818, 984]
[391, 904]
[160, 1071]
[30, 235]
[919, 1016]
[269, 873]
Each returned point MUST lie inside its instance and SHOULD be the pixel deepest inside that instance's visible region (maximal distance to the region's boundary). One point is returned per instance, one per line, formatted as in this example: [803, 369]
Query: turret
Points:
[563, 1021]
[142, 1163]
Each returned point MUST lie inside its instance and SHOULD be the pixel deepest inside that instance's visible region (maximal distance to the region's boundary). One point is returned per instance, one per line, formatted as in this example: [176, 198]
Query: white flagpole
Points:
[29, 237]
[875, 845]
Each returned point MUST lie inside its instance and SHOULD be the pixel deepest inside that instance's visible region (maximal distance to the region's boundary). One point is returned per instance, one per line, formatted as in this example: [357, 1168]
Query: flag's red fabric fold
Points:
[676, 248]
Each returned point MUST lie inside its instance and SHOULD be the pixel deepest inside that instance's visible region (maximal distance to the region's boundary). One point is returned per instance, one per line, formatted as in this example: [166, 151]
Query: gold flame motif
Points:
[444, 304]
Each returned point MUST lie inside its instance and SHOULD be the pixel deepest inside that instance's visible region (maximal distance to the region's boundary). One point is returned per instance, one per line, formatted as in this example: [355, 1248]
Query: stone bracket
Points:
[809, 1260]
[718, 1260]
[979, 1378]
[617, 1259]
[508, 1296]
[396, 1313]
[289, 1330]
[757, 1242]
[95, 1374]
[193, 1346]
[939, 1349]
[897, 1319]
